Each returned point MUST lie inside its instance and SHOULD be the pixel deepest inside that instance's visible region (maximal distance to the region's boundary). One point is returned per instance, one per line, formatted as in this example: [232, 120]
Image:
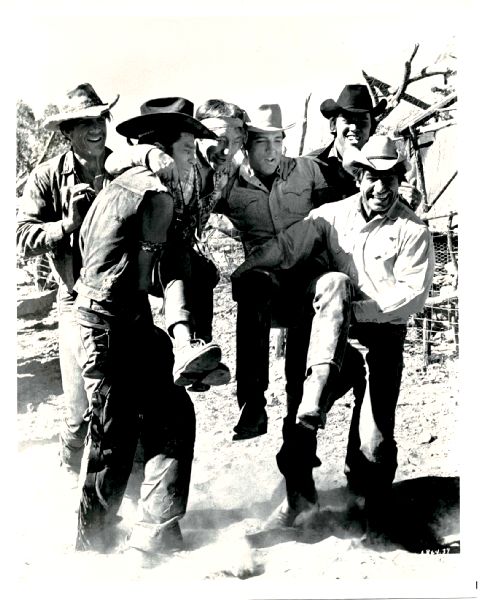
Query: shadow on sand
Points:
[426, 516]
[37, 380]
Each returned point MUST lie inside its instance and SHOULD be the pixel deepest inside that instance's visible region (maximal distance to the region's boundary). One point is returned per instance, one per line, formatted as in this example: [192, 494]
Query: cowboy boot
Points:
[316, 397]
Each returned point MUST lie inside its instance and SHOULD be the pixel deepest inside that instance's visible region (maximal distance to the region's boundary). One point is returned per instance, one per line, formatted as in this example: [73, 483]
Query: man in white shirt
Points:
[381, 265]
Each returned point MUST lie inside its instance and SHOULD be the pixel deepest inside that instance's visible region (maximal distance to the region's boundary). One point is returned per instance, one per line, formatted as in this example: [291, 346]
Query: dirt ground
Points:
[235, 485]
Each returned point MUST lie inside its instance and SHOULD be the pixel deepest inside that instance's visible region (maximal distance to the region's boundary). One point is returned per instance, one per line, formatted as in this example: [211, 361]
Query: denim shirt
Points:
[109, 238]
[39, 221]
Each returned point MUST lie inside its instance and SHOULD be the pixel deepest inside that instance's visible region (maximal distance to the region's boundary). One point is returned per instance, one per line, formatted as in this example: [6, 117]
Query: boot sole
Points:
[198, 365]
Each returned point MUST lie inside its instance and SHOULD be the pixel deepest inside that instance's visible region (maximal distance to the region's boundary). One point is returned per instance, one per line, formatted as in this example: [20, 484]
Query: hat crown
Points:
[81, 97]
[355, 97]
[267, 116]
[168, 105]
[380, 147]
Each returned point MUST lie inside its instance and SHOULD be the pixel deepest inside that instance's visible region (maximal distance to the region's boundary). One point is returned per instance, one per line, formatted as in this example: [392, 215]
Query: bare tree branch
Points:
[428, 72]
[304, 125]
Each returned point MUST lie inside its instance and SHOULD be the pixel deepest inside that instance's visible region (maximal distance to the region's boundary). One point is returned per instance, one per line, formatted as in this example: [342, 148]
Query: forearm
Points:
[34, 238]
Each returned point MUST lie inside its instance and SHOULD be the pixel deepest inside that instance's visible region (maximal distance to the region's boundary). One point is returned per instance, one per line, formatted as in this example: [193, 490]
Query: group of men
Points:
[334, 252]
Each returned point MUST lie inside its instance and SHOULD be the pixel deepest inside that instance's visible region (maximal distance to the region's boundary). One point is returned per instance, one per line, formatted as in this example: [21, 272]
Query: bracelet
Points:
[152, 247]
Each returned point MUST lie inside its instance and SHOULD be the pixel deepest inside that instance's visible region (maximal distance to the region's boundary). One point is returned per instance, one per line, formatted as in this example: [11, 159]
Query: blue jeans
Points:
[368, 358]
[128, 369]
[74, 425]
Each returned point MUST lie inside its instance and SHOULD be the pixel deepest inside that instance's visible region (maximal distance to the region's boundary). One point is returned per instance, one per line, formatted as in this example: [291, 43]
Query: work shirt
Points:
[259, 213]
[389, 259]
[39, 221]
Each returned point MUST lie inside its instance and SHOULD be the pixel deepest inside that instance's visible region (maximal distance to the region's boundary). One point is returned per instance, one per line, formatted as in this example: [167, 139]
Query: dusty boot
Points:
[193, 359]
[312, 410]
[285, 516]
[170, 541]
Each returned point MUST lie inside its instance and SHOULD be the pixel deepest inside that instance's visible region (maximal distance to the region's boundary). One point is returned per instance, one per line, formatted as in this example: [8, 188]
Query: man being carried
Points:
[381, 266]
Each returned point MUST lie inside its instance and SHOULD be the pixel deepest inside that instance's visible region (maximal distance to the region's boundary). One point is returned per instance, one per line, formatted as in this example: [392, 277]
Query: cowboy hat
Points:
[81, 103]
[354, 98]
[380, 153]
[169, 113]
[267, 118]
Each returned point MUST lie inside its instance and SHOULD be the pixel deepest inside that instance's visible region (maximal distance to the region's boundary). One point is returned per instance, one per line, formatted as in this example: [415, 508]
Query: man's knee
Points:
[256, 285]
[334, 283]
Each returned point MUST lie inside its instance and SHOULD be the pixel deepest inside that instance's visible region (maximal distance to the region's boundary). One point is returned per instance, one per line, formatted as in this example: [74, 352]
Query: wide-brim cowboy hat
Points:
[380, 153]
[267, 118]
[172, 113]
[81, 103]
[354, 98]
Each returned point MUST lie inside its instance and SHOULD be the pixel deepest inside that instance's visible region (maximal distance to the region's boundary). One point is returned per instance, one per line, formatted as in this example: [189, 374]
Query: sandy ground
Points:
[235, 485]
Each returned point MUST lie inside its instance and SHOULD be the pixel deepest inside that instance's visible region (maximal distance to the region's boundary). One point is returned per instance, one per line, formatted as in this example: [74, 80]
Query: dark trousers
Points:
[128, 374]
[266, 299]
[369, 358]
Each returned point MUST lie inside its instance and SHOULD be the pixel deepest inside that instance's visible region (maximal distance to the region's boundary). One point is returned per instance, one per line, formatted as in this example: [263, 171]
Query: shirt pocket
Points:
[383, 255]
[297, 202]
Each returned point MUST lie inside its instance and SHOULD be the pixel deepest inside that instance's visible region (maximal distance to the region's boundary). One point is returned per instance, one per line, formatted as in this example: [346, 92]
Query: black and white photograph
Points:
[238, 359]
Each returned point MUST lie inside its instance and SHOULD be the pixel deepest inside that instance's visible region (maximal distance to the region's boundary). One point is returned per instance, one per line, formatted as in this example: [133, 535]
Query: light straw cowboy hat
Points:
[81, 103]
[169, 113]
[267, 118]
[380, 153]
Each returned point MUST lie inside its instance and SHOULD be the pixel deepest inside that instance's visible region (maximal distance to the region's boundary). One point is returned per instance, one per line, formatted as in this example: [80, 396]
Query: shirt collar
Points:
[70, 164]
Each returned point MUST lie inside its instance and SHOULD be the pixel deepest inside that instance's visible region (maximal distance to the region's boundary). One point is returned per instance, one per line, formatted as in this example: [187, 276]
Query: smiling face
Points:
[351, 129]
[265, 151]
[221, 152]
[88, 137]
[379, 189]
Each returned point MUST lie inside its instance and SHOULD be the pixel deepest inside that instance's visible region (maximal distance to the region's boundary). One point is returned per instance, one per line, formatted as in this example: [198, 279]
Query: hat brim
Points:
[329, 108]
[262, 129]
[142, 124]
[53, 122]
[354, 160]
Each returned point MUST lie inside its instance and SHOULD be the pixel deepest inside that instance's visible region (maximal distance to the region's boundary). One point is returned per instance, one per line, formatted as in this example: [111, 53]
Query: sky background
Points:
[248, 59]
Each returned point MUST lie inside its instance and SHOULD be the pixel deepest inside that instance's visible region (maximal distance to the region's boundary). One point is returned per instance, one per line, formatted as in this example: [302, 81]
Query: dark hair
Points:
[251, 137]
[220, 108]
[332, 128]
[67, 126]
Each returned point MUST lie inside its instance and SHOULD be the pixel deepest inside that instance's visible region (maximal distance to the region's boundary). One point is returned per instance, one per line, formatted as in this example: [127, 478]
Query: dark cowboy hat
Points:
[81, 103]
[353, 98]
[380, 153]
[164, 113]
